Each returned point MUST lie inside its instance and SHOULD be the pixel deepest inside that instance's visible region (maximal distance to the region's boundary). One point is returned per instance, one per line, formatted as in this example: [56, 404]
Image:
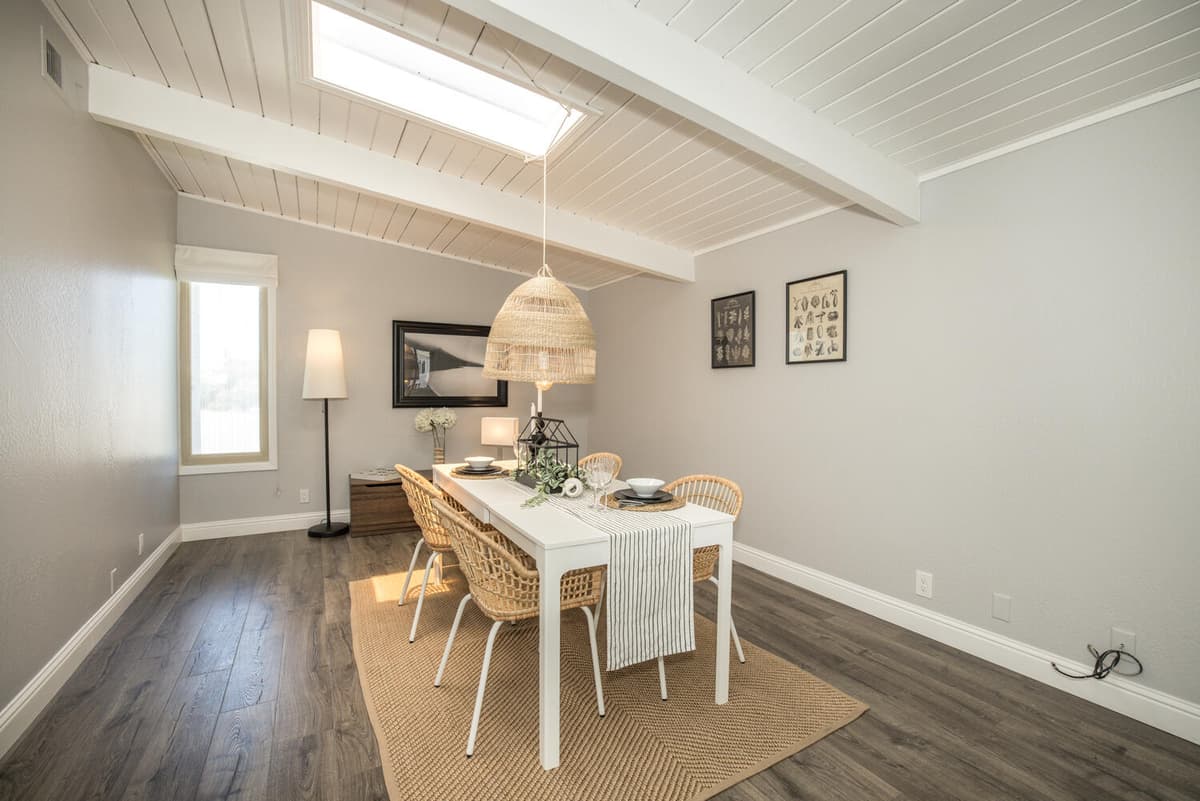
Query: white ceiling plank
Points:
[360, 128]
[388, 131]
[835, 27]
[423, 228]
[717, 168]
[693, 155]
[306, 106]
[483, 164]
[191, 23]
[159, 29]
[661, 10]
[268, 191]
[364, 213]
[994, 54]
[413, 142]
[792, 21]
[698, 16]
[461, 157]
[892, 24]
[955, 20]
[424, 18]
[233, 44]
[398, 222]
[436, 150]
[91, 30]
[158, 111]
[158, 161]
[335, 115]
[344, 208]
[288, 194]
[741, 21]
[619, 43]
[306, 198]
[384, 209]
[243, 178]
[460, 32]
[1076, 55]
[118, 19]
[327, 197]
[646, 136]
[198, 167]
[265, 25]
[1045, 115]
[503, 172]
[218, 168]
[447, 235]
[941, 58]
[182, 174]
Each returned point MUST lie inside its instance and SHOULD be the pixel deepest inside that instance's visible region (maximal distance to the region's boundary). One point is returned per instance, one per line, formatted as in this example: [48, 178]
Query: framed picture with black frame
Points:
[441, 364]
[733, 331]
[816, 319]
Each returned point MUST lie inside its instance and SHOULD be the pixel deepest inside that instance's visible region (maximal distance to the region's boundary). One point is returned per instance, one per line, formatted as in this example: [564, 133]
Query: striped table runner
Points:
[649, 581]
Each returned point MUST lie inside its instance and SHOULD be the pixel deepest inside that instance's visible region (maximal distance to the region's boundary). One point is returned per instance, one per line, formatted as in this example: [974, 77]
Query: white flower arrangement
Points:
[438, 421]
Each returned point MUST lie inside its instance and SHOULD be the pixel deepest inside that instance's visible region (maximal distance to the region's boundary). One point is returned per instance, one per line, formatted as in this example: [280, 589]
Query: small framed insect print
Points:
[733, 330]
[816, 319]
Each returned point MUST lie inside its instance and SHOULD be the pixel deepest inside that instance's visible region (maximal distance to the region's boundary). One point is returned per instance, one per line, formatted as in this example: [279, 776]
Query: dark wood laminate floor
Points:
[232, 677]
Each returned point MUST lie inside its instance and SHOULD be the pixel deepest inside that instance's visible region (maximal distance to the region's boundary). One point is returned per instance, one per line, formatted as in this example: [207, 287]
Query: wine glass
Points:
[602, 472]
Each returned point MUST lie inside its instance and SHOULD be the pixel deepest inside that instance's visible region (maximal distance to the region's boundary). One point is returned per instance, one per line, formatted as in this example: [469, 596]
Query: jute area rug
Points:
[681, 749]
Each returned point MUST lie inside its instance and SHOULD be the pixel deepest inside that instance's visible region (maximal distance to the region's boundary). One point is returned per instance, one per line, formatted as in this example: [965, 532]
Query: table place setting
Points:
[479, 467]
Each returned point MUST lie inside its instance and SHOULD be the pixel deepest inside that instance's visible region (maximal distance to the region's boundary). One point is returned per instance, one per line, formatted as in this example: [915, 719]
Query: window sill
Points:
[237, 467]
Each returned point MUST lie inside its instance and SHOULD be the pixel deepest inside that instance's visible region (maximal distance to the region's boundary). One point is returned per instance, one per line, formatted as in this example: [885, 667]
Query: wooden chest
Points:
[379, 507]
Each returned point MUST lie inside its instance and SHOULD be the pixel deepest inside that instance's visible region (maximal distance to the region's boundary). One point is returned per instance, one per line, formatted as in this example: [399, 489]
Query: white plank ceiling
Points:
[931, 83]
[928, 82]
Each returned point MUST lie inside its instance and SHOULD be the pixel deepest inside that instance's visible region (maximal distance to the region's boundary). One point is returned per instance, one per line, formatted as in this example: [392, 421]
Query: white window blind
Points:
[227, 392]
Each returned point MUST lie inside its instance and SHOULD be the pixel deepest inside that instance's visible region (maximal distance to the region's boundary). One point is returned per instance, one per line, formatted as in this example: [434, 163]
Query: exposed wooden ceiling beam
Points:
[614, 40]
[150, 108]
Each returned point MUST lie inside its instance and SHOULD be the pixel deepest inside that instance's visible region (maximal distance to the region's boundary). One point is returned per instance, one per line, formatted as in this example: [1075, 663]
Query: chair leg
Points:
[737, 641]
[487, 661]
[412, 633]
[591, 623]
[600, 603]
[662, 679]
[412, 565]
[438, 564]
[437, 682]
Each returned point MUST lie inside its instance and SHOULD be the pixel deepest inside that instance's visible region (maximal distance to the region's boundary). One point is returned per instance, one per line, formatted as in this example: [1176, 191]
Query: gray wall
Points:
[1019, 409]
[87, 353]
[329, 279]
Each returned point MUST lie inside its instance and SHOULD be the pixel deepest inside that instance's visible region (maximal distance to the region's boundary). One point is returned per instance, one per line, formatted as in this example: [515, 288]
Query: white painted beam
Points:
[628, 47]
[149, 108]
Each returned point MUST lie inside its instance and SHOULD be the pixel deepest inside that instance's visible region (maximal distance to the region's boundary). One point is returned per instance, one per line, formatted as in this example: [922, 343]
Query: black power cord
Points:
[1106, 662]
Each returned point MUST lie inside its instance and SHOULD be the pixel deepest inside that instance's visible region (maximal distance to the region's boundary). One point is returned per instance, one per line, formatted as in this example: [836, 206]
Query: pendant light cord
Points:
[544, 270]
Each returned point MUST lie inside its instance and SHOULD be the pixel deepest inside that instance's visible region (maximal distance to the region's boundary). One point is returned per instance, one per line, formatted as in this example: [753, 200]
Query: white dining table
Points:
[561, 542]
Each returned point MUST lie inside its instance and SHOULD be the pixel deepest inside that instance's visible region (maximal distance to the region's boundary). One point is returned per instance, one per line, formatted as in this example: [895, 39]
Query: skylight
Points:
[358, 56]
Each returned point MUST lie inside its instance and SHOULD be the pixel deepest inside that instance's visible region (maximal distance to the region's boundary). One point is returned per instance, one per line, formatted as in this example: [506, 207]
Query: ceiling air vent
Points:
[53, 64]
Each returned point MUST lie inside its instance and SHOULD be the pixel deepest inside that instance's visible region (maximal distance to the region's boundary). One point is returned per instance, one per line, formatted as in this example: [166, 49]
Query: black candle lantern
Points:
[544, 440]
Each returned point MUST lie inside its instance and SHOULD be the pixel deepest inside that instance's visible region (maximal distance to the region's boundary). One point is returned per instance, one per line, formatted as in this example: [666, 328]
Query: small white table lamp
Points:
[499, 431]
[325, 378]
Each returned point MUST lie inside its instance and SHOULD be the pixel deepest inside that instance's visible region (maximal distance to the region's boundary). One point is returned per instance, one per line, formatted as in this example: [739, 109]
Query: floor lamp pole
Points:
[328, 528]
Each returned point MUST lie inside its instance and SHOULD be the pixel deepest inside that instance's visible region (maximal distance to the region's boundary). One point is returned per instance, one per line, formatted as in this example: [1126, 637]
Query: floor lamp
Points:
[325, 378]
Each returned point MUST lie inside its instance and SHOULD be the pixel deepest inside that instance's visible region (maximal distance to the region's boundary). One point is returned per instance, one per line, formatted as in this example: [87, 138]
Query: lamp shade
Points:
[542, 334]
[501, 431]
[324, 370]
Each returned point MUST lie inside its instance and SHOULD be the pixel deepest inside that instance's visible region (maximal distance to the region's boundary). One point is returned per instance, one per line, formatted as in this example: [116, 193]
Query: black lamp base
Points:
[328, 529]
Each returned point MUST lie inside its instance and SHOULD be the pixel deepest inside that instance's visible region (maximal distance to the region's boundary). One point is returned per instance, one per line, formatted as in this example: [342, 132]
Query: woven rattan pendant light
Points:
[542, 334]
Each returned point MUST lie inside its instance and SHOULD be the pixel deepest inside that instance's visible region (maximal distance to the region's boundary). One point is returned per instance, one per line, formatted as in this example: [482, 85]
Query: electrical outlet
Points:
[304, 496]
[1124, 639]
[112, 581]
[1002, 607]
[924, 584]
[141, 543]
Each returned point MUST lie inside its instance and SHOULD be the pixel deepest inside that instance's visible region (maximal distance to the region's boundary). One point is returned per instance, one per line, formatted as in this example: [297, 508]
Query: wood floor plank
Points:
[232, 676]
[239, 758]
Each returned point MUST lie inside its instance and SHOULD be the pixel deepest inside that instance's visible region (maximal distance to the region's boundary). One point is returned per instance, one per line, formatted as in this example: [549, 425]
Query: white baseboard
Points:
[22, 710]
[1152, 707]
[245, 526]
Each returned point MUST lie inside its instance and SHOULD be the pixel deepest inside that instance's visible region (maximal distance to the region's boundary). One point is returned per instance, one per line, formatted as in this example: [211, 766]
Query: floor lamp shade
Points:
[324, 369]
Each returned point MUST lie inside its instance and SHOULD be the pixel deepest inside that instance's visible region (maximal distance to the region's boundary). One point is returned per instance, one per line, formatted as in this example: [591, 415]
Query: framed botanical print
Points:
[733, 330]
[440, 364]
[816, 319]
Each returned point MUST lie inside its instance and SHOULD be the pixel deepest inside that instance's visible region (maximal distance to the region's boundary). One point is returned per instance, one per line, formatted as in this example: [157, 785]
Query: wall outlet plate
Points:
[304, 498]
[1002, 607]
[924, 584]
[1124, 639]
[141, 543]
[112, 581]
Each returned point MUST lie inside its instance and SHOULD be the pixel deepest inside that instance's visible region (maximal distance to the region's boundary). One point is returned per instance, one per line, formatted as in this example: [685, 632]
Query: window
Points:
[226, 360]
[370, 61]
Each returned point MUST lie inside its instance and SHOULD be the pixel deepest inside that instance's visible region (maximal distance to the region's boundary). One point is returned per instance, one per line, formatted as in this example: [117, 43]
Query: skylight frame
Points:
[304, 52]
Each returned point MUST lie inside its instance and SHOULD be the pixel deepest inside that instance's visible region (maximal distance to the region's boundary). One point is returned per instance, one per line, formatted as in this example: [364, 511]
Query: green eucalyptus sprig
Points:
[548, 473]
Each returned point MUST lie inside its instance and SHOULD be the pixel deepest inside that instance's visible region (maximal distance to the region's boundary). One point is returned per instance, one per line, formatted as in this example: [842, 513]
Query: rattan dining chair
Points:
[591, 456]
[421, 494]
[503, 581]
[724, 496]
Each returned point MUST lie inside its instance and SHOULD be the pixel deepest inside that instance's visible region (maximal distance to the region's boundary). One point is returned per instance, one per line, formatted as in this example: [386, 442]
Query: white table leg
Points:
[549, 657]
[724, 617]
